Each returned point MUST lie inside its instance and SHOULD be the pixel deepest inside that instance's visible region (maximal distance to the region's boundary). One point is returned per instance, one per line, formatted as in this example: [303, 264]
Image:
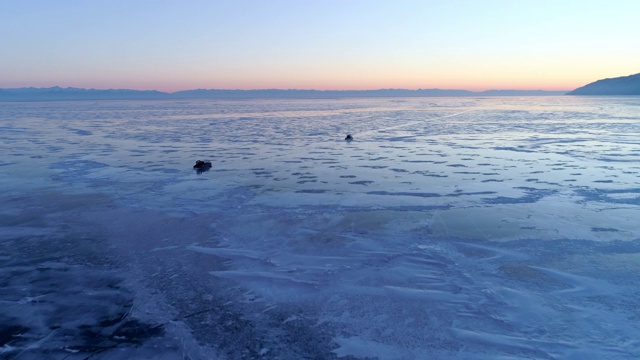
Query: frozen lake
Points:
[449, 228]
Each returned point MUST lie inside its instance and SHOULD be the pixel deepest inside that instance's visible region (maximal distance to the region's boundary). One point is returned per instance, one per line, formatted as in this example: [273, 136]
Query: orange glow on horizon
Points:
[372, 86]
[476, 85]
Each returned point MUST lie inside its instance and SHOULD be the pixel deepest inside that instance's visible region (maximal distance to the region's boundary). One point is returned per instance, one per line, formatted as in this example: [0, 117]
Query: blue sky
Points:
[320, 44]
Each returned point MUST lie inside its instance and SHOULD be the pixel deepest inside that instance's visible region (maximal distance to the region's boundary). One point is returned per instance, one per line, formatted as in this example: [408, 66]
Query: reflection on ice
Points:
[448, 229]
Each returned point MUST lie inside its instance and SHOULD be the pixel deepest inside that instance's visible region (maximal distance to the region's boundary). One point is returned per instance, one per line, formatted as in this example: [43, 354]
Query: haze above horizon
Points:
[324, 45]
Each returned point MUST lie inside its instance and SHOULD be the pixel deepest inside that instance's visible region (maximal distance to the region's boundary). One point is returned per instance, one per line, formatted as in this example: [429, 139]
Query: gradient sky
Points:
[172, 45]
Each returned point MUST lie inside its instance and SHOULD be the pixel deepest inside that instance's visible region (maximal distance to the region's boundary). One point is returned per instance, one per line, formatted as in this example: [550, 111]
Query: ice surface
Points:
[449, 228]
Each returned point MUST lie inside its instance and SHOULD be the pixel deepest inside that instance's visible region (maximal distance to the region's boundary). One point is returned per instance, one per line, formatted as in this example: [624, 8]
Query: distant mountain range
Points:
[57, 94]
[624, 85]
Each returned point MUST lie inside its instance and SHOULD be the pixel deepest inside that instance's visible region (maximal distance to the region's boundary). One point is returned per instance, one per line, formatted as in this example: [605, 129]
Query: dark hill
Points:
[624, 85]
